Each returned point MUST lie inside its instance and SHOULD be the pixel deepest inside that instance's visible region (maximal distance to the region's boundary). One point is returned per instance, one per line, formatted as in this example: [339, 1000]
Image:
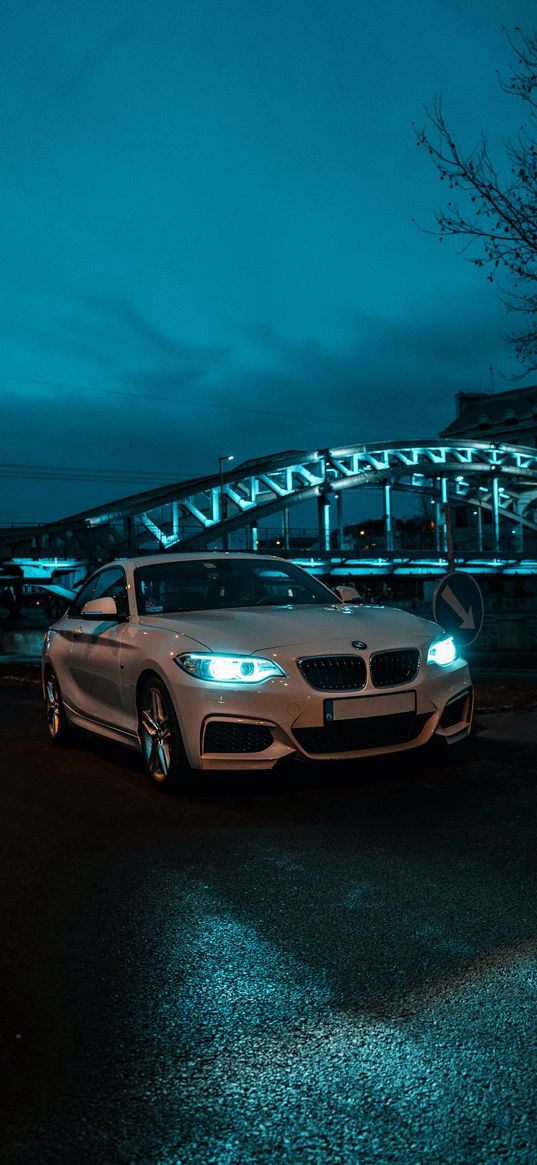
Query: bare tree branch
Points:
[495, 211]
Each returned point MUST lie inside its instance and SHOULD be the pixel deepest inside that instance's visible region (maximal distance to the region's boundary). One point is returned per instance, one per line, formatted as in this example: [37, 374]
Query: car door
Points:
[95, 688]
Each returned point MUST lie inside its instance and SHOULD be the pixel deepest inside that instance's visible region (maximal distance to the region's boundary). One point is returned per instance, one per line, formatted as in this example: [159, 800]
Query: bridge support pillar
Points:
[285, 529]
[496, 513]
[323, 513]
[339, 522]
[441, 537]
[479, 515]
[175, 520]
[253, 537]
[388, 528]
[129, 536]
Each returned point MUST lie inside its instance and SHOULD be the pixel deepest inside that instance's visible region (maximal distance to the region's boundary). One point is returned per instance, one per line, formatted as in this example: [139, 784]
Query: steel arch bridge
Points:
[499, 482]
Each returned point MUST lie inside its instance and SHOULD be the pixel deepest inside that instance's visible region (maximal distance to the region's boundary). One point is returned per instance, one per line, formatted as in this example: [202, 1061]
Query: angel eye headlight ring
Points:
[442, 651]
[228, 669]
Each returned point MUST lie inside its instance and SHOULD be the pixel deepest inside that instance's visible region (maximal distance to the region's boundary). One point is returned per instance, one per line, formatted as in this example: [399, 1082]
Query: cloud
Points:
[174, 407]
[123, 324]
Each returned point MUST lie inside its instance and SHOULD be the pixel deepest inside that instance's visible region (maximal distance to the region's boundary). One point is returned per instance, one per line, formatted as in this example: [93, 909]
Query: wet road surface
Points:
[320, 965]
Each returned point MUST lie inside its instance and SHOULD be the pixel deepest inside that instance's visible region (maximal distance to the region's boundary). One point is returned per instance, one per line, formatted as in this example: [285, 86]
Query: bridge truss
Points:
[498, 482]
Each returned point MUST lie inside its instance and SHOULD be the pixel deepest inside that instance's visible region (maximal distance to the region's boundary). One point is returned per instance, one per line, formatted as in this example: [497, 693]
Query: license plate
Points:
[354, 707]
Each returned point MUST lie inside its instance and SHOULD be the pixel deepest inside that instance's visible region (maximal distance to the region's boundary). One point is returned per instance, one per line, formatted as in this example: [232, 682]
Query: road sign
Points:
[458, 606]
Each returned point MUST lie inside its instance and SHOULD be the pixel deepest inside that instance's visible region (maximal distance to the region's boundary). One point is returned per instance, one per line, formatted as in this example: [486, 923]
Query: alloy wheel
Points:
[156, 734]
[53, 705]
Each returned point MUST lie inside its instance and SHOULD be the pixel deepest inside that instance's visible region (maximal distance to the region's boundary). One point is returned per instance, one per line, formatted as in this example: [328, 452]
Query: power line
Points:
[201, 404]
[78, 473]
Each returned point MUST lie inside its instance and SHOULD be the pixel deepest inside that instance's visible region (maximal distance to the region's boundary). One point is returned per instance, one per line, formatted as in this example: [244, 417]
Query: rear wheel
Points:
[160, 737]
[58, 727]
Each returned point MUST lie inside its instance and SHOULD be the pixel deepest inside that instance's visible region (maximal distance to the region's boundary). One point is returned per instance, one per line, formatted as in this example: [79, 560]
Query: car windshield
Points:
[212, 584]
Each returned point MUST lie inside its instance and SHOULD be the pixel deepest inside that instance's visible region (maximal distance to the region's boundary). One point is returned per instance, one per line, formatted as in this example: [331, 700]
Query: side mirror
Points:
[348, 594]
[105, 609]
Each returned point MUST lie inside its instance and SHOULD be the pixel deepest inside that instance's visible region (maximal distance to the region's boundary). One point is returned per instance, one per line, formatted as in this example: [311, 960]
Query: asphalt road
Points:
[317, 966]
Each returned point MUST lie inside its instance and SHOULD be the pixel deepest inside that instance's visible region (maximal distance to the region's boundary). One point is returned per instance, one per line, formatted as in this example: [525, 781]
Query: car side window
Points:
[84, 595]
[106, 584]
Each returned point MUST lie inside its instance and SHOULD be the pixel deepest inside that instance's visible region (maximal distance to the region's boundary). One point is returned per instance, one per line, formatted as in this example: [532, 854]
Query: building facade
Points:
[509, 416]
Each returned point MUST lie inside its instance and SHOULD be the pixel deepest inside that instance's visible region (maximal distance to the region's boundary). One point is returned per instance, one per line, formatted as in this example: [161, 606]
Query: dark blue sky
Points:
[207, 239]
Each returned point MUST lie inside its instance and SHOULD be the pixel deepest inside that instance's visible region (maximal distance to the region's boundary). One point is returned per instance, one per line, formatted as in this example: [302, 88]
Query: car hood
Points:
[255, 629]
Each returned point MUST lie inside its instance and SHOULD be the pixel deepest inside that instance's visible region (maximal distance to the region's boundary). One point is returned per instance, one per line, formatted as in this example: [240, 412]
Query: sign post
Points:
[458, 606]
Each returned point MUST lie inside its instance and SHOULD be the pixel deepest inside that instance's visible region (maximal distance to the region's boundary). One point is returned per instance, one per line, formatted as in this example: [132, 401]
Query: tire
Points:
[160, 737]
[59, 730]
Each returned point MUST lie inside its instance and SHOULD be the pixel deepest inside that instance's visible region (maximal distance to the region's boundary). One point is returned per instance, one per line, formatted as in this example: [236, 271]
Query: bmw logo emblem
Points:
[358, 643]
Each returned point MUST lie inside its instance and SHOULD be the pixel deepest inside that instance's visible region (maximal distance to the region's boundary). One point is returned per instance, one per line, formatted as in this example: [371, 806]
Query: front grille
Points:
[390, 668]
[455, 710]
[368, 732]
[222, 736]
[334, 673]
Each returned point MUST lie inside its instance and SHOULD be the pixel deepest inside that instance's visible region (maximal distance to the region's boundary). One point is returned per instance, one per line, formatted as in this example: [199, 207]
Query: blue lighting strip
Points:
[339, 568]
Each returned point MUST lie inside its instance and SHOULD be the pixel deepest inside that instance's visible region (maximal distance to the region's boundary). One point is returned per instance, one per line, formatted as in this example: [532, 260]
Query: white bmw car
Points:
[237, 661]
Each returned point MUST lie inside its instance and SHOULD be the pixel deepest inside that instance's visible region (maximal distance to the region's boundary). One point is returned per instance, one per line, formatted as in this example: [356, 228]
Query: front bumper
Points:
[242, 731]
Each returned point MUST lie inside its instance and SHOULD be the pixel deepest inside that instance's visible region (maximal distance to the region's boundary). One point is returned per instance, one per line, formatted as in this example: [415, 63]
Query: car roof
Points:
[191, 556]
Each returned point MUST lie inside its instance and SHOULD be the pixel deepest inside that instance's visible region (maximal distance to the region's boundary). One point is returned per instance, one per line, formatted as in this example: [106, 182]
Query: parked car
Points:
[237, 661]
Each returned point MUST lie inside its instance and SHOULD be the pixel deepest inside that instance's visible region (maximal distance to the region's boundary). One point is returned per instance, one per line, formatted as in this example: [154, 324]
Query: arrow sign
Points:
[458, 606]
[467, 621]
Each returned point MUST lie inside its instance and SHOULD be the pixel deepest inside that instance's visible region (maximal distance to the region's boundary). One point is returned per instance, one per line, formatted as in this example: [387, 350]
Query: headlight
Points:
[442, 651]
[229, 669]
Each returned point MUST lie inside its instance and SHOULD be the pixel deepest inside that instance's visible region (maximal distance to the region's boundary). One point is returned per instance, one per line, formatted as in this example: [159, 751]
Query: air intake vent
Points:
[354, 735]
[391, 668]
[334, 673]
[228, 736]
[456, 710]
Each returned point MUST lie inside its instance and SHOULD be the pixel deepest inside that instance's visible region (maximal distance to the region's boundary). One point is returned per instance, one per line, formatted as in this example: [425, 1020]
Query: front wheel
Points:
[160, 737]
[58, 727]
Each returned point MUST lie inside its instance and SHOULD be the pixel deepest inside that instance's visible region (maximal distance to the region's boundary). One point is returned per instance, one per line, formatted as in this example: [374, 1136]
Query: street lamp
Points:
[223, 514]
